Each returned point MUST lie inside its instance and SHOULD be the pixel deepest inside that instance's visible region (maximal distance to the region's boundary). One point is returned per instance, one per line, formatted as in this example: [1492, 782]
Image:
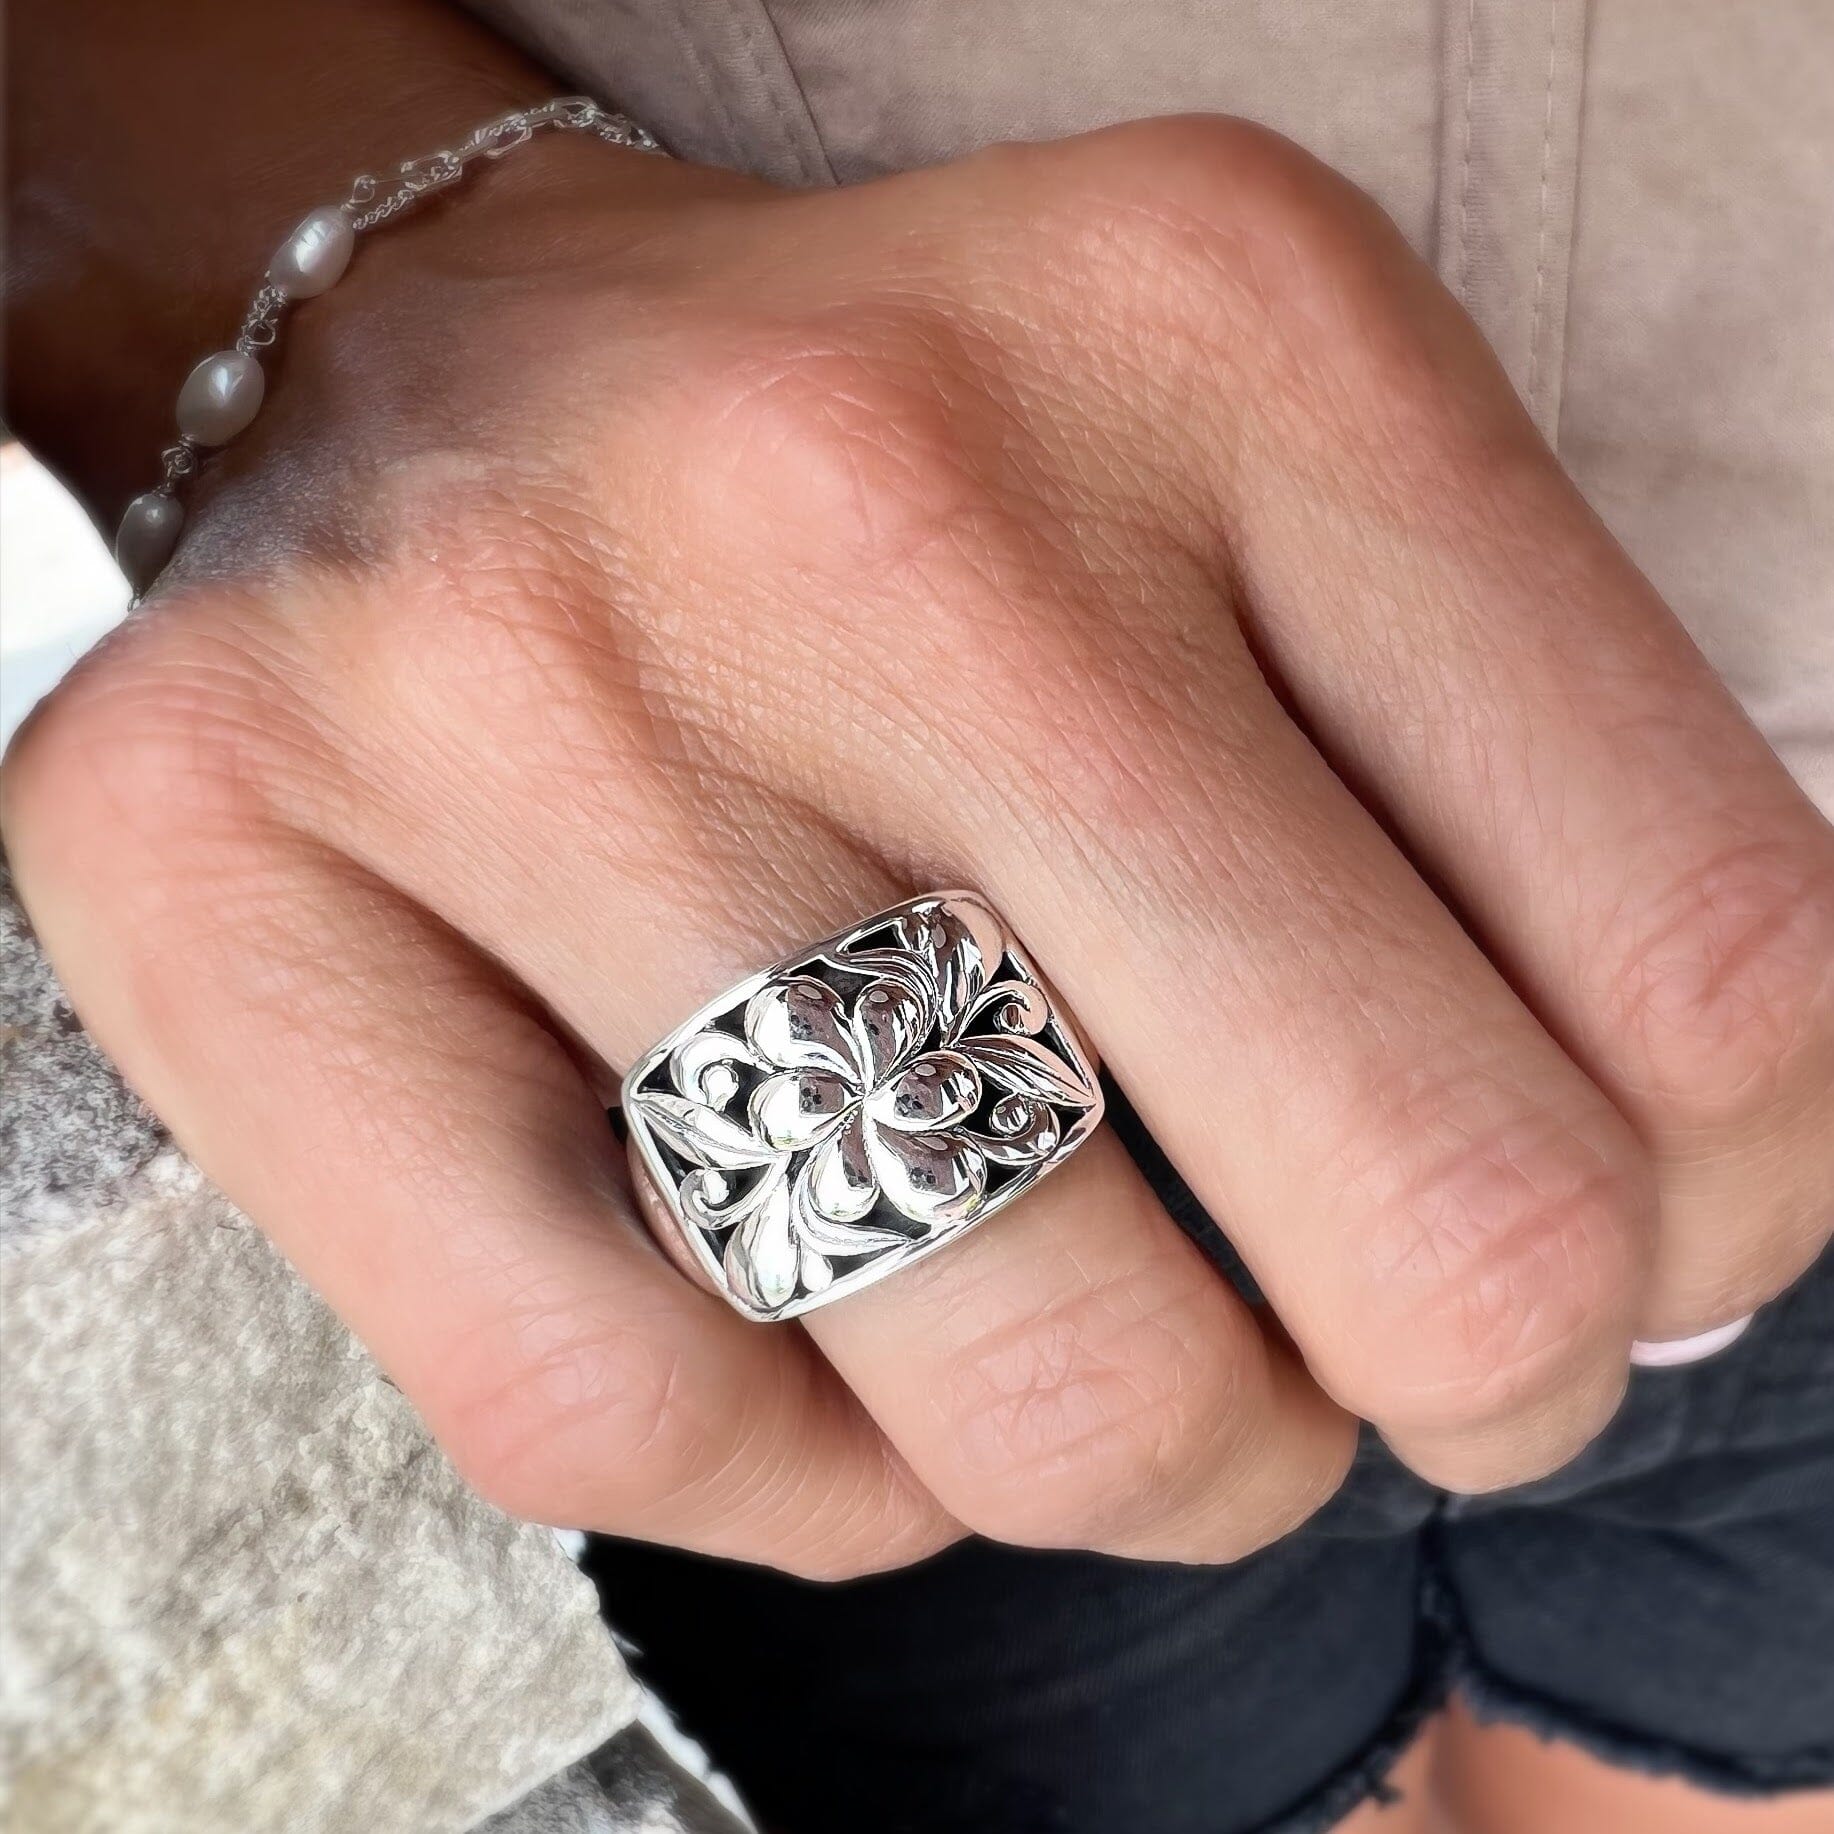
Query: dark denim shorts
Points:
[1666, 1601]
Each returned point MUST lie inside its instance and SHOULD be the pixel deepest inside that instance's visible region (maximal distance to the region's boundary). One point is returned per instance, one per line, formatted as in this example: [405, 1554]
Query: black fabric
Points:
[1667, 1600]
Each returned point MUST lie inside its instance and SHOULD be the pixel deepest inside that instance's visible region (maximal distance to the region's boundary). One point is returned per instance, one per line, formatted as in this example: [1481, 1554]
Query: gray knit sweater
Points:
[240, 1588]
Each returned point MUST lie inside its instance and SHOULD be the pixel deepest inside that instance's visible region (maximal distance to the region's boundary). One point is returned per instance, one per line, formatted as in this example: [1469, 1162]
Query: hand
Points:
[612, 598]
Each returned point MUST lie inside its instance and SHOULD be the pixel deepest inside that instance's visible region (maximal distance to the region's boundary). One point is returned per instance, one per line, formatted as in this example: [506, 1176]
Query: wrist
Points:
[135, 244]
[418, 354]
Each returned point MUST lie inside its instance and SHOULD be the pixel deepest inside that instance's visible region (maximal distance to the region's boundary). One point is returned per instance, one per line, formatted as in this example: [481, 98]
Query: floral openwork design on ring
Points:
[828, 1122]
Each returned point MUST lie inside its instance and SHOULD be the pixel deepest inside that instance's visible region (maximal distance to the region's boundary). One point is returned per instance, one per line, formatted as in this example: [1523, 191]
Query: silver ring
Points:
[856, 1107]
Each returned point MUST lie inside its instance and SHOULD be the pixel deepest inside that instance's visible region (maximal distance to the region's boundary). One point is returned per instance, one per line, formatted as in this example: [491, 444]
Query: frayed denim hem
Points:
[1760, 1774]
[1495, 1700]
[1448, 1665]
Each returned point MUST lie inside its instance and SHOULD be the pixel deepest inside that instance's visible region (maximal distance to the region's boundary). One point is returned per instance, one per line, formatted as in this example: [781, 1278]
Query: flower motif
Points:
[862, 1106]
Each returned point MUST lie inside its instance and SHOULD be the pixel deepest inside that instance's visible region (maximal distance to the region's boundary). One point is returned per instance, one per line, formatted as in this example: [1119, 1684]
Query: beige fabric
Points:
[1512, 77]
[1699, 406]
[1634, 199]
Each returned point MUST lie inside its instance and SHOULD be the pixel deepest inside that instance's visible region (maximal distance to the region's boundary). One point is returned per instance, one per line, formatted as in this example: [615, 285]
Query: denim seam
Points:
[1364, 1777]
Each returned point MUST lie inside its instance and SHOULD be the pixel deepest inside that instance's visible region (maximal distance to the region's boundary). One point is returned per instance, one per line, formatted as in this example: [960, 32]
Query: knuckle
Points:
[1727, 1000]
[1256, 276]
[837, 435]
[1729, 989]
[1231, 221]
[1499, 1269]
[1215, 177]
[1075, 1427]
[871, 465]
[588, 1420]
[166, 728]
[588, 1431]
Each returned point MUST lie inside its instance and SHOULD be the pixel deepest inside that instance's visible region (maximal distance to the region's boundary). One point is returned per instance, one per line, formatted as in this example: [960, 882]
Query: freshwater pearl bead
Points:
[220, 397]
[148, 533]
[313, 258]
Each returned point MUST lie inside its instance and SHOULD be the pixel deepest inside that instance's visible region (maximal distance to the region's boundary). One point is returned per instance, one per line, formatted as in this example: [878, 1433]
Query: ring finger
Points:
[1075, 1371]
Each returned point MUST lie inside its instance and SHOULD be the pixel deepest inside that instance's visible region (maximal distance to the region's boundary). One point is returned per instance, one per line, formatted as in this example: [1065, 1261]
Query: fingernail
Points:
[1675, 1351]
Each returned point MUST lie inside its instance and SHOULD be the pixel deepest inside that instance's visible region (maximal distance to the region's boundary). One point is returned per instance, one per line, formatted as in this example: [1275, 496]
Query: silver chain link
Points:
[373, 201]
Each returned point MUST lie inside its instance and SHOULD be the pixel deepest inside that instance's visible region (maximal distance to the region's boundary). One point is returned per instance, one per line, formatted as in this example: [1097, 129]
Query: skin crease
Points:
[1130, 528]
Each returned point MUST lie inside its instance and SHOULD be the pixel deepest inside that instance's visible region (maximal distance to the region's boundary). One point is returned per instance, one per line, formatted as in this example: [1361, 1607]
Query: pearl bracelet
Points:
[222, 395]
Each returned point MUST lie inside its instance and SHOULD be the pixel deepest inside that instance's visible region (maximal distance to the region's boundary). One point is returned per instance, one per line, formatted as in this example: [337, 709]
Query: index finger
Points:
[393, 1112]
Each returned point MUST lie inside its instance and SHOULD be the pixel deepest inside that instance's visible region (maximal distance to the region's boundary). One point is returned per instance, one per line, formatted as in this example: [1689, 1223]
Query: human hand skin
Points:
[635, 574]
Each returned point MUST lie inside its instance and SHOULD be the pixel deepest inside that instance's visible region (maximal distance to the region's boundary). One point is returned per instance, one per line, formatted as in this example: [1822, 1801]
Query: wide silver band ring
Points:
[856, 1107]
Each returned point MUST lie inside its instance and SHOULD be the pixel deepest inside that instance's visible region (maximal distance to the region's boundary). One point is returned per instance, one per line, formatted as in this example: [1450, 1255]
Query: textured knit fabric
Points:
[240, 1588]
